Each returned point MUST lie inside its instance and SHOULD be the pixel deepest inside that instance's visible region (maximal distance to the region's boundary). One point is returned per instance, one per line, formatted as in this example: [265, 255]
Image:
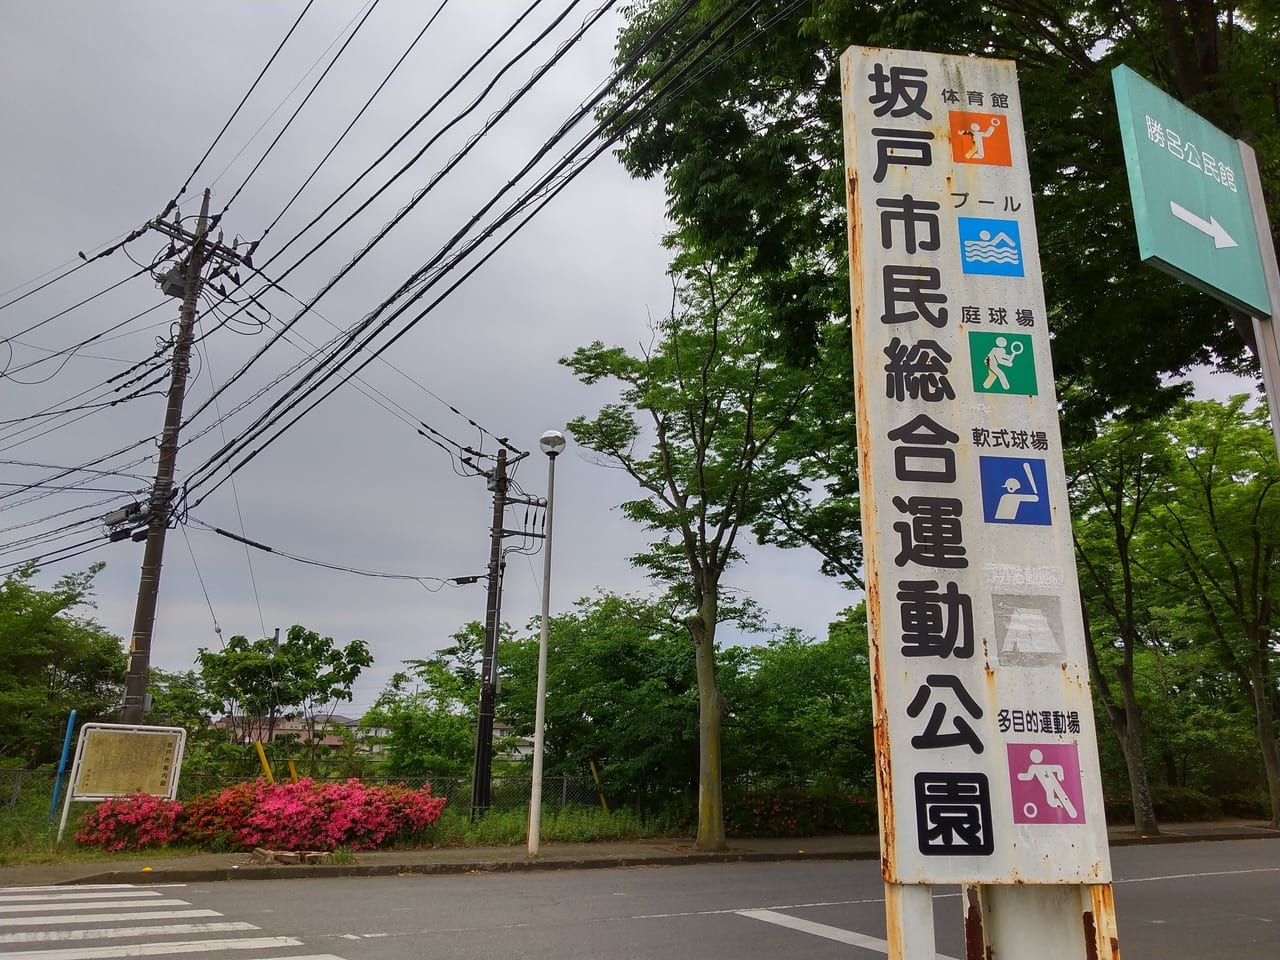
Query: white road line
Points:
[1197, 876]
[108, 917]
[81, 905]
[156, 949]
[90, 886]
[49, 894]
[822, 930]
[109, 933]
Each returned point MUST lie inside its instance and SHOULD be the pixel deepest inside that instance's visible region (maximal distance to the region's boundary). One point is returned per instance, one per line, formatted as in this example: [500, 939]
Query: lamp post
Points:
[551, 443]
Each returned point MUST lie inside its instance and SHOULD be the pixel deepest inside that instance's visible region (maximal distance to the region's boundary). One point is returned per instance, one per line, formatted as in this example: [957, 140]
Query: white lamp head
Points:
[552, 443]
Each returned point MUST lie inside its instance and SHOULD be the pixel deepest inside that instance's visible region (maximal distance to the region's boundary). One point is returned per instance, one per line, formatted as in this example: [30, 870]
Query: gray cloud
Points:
[107, 107]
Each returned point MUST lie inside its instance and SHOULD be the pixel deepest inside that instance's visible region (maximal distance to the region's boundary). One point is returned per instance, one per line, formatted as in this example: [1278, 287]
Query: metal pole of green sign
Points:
[1265, 332]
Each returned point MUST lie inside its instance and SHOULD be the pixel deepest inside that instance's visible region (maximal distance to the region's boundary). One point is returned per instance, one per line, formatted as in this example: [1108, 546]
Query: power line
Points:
[441, 581]
[85, 261]
[235, 493]
[75, 306]
[331, 361]
[59, 555]
[354, 120]
[387, 228]
[315, 86]
[261, 426]
[69, 352]
[54, 466]
[62, 513]
[285, 99]
[234, 113]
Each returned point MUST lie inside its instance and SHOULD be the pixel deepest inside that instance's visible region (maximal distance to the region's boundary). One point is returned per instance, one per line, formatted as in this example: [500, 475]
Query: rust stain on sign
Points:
[975, 938]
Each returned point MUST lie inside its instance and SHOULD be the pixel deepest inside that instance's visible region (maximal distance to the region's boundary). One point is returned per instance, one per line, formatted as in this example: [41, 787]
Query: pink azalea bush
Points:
[320, 816]
[130, 823]
[305, 815]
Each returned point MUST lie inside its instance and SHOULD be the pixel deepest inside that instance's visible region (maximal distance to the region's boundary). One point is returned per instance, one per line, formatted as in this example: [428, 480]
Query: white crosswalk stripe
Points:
[59, 907]
[9, 897]
[109, 921]
[155, 949]
[114, 933]
[107, 917]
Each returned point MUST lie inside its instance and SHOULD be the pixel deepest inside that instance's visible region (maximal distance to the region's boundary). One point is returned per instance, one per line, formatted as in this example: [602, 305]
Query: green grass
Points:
[27, 838]
[567, 825]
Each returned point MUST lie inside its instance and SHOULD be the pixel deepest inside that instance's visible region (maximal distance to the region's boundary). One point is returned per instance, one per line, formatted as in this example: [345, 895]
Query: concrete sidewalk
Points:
[206, 867]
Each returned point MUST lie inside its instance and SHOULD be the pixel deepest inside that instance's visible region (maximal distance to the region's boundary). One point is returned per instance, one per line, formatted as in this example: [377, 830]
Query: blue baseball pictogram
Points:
[1015, 490]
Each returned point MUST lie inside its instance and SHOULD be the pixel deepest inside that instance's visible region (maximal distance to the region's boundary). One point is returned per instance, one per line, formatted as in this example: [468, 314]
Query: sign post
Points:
[987, 764]
[1199, 212]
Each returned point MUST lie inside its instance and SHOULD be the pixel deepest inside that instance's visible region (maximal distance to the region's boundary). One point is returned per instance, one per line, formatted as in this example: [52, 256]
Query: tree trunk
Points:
[1129, 732]
[1264, 724]
[1126, 723]
[710, 793]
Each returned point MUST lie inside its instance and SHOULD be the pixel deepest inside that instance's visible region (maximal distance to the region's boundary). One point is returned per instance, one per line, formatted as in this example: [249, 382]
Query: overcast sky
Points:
[108, 107]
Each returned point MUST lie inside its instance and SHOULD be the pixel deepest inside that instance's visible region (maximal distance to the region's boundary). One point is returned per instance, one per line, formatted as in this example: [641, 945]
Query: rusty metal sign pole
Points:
[987, 767]
[1266, 330]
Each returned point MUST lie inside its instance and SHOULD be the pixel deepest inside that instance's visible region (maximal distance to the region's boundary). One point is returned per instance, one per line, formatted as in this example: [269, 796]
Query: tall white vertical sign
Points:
[987, 762]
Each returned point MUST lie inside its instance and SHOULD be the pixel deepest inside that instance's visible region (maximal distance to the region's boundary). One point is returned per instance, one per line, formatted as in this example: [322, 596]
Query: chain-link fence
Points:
[25, 793]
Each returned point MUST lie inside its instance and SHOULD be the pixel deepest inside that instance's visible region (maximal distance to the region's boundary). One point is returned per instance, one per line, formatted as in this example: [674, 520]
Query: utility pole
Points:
[482, 768]
[200, 251]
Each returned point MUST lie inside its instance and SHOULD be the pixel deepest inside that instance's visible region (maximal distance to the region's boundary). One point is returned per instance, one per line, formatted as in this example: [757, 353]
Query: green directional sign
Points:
[1190, 201]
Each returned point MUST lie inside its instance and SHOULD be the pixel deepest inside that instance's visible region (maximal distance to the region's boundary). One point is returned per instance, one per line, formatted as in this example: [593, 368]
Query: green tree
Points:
[259, 682]
[715, 398]
[801, 708]
[53, 661]
[622, 692]
[749, 148]
[1113, 480]
[179, 699]
[429, 710]
[1217, 544]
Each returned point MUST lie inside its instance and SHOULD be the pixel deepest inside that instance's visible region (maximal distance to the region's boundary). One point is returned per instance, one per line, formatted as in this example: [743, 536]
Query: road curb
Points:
[513, 865]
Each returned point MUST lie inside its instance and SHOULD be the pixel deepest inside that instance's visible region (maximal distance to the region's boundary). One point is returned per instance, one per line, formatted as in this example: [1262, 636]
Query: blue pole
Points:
[62, 766]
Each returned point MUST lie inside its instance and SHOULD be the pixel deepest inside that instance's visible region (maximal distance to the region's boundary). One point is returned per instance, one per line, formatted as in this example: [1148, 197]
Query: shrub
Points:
[1119, 808]
[1249, 806]
[1182, 804]
[790, 812]
[286, 816]
[213, 820]
[130, 823]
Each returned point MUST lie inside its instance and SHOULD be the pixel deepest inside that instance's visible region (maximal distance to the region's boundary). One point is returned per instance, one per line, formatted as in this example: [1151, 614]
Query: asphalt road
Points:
[1185, 901]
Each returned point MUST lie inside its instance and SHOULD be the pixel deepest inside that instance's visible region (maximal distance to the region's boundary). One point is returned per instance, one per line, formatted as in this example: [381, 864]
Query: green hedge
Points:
[794, 812]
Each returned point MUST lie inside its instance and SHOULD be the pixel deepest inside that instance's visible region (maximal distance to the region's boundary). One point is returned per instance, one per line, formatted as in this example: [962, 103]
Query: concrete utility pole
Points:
[200, 252]
[482, 769]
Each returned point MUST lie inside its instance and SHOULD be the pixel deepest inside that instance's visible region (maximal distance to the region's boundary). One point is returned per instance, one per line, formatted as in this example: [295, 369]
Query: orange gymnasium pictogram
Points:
[980, 138]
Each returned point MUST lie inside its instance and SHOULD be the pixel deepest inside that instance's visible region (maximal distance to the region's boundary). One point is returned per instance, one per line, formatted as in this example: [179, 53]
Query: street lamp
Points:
[552, 443]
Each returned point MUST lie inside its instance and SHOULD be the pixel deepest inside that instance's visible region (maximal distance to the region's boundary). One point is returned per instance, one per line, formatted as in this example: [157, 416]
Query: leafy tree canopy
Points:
[750, 152]
[258, 682]
[51, 662]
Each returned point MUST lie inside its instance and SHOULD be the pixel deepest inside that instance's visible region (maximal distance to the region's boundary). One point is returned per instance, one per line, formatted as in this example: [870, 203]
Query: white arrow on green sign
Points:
[1190, 201]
